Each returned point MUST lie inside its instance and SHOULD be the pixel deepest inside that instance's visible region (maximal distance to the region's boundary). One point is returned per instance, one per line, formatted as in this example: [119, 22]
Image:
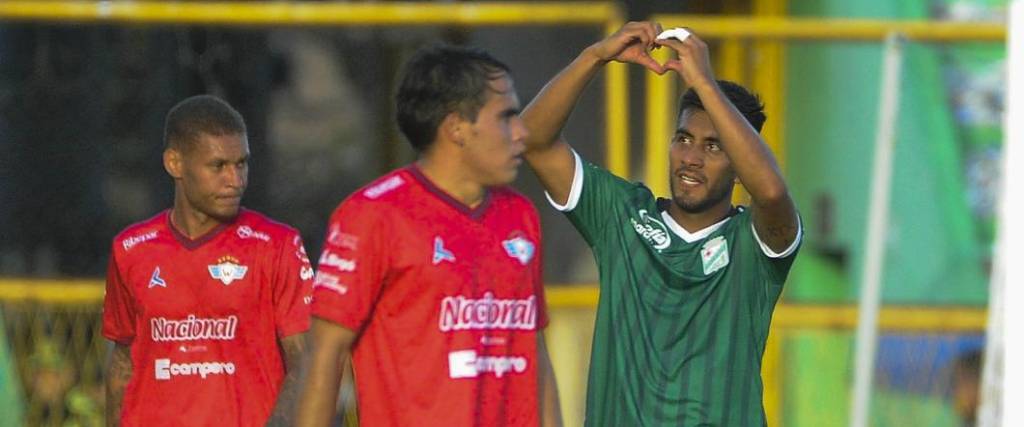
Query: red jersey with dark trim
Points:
[447, 302]
[203, 318]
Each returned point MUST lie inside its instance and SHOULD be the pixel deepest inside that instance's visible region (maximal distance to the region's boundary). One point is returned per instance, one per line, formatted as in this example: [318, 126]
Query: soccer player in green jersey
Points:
[688, 284]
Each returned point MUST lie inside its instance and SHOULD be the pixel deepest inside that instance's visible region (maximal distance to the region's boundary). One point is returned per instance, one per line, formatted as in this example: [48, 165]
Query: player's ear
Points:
[173, 163]
[453, 128]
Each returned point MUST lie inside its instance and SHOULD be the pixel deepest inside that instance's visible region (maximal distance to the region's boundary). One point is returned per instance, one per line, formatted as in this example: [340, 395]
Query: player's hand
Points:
[631, 44]
[693, 64]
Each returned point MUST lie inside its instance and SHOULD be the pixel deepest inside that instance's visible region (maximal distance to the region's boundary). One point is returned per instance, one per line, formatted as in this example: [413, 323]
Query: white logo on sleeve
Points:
[164, 369]
[330, 259]
[466, 364]
[714, 255]
[330, 282]
[383, 187]
[306, 272]
[134, 240]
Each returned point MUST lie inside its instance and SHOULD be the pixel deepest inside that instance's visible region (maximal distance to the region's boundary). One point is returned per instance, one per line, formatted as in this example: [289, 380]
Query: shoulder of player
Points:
[509, 196]
[141, 232]
[260, 227]
[379, 196]
[386, 188]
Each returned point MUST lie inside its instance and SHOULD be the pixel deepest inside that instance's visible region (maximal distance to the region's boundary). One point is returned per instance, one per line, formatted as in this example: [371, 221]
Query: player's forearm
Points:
[119, 372]
[323, 367]
[750, 156]
[319, 397]
[292, 350]
[550, 407]
[550, 109]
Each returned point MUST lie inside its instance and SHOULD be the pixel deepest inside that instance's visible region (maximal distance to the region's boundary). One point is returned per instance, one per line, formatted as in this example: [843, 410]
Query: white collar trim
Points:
[687, 236]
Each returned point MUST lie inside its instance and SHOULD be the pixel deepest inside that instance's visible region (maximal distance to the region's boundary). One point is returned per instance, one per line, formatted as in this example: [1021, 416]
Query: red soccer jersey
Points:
[447, 300]
[203, 318]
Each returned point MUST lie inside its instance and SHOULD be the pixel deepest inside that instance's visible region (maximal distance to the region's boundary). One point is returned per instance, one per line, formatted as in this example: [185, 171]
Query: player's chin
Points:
[506, 176]
[225, 212]
[687, 202]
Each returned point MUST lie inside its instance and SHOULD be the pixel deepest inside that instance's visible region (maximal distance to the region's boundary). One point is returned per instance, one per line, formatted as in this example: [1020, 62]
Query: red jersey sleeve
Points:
[118, 306]
[352, 268]
[293, 285]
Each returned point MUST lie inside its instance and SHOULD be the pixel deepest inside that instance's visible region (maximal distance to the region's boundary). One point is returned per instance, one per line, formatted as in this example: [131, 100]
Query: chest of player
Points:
[653, 245]
[211, 281]
[470, 257]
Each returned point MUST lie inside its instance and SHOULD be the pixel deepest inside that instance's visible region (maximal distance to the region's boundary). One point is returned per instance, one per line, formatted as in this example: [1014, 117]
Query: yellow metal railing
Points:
[787, 316]
[605, 15]
[661, 91]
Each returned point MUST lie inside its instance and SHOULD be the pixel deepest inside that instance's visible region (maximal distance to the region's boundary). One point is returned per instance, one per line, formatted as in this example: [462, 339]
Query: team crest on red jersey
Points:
[520, 248]
[227, 270]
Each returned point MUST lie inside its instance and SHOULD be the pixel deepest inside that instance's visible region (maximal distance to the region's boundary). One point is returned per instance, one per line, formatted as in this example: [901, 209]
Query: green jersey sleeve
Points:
[594, 199]
[777, 264]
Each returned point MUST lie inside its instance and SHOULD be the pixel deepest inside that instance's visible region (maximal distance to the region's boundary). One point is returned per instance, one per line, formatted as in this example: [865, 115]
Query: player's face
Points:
[214, 173]
[701, 175]
[496, 140]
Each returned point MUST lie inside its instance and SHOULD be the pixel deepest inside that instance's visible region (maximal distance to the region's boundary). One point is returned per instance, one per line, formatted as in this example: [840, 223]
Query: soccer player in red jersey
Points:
[431, 275]
[206, 302]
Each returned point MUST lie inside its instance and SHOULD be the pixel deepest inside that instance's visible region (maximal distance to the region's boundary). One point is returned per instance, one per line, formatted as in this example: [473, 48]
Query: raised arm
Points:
[119, 371]
[324, 366]
[773, 211]
[292, 349]
[546, 152]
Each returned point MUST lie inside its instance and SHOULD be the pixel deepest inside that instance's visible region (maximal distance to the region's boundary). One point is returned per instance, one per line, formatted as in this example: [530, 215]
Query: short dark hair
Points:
[441, 80]
[200, 114]
[747, 102]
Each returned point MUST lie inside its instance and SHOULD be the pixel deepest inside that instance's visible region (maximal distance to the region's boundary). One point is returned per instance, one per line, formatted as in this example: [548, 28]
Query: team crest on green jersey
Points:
[714, 255]
[651, 230]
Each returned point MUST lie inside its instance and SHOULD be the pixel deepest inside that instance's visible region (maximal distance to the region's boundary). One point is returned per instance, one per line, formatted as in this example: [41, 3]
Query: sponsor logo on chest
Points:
[467, 364]
[193, 328]
[164, 369]
[227, 270]
[651, 230]
[461, 313]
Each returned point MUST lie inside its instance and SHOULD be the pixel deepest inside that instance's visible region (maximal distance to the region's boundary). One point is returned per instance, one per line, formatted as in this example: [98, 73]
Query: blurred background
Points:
[84, 88]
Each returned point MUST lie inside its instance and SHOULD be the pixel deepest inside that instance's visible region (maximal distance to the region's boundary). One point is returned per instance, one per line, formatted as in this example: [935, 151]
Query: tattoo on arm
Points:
[119, 372]
[783, 233]
[292, 349]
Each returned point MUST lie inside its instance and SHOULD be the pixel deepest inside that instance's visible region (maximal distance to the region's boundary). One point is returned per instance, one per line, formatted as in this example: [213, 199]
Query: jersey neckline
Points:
[474, 213]
[698, 235]
[192, 244]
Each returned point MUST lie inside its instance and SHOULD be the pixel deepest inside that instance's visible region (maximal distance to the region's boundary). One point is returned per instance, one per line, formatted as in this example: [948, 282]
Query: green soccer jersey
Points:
[683, 317]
